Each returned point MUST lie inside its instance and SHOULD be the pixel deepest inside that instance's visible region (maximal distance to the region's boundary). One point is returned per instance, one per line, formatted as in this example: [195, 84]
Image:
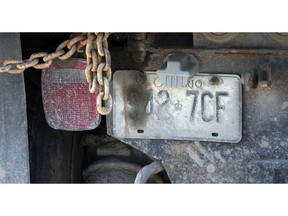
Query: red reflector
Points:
[68, 104]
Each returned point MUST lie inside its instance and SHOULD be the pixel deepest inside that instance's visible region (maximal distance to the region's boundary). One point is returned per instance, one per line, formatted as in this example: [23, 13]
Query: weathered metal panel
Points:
[14, 151]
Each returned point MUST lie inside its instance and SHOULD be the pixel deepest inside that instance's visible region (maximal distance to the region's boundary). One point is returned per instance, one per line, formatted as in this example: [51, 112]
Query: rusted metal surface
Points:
[209, 59]
[13, 70]
[265, 124]
[104, 109]
[137, 46]
[98, 56]
[14, 150]
[99, 44]
[47, 63]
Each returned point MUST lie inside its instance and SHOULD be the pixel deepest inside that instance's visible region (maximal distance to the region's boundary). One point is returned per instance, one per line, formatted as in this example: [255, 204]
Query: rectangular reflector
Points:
[67, 102]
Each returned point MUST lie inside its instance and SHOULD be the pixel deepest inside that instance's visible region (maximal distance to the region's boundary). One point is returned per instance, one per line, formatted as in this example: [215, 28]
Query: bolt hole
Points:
[214, 80]
[255, 79]
[140, 131]
[264, 76]
[260, 77]
[215, 134]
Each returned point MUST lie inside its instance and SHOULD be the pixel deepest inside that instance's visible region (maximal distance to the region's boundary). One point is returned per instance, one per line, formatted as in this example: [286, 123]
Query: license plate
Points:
[208, 108]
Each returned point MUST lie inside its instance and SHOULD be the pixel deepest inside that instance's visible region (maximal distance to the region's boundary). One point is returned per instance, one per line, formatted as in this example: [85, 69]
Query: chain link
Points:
[13, 63]
[98, 70]
[99, 62]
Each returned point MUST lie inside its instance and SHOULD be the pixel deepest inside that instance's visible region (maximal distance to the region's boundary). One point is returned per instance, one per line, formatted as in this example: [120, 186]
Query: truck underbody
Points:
[208, 107]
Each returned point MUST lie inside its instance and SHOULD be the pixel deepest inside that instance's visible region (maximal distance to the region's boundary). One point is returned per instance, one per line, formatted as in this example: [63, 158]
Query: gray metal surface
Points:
[14, 153]
[268, 171]
[265, 123]
[209, 108]
[148, 171]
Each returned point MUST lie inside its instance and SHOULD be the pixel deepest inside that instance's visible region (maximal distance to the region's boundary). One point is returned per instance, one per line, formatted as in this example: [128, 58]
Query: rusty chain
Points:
[98, 70]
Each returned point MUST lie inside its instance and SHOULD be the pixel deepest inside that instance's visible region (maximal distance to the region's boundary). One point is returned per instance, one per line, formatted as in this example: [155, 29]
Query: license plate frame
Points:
[143, 108]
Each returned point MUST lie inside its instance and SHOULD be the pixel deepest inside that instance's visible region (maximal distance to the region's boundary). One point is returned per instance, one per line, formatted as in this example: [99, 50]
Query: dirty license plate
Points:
[208, 108]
